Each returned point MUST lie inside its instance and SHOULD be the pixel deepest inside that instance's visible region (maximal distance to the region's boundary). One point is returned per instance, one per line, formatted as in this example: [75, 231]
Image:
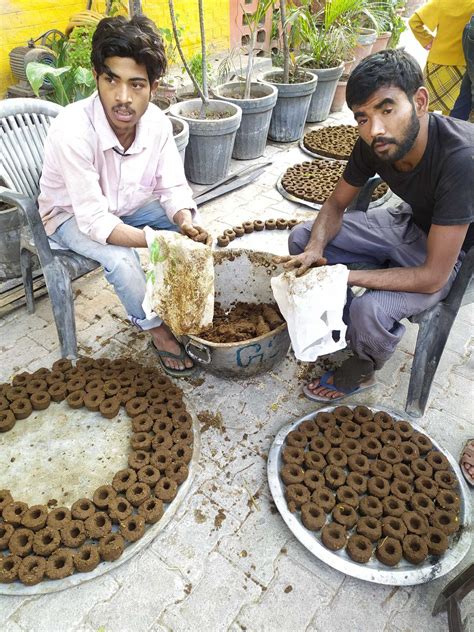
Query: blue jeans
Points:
[121, 265]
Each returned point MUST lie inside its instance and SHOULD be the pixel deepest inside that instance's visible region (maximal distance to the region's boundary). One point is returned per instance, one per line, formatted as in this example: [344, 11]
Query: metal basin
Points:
[241, 275]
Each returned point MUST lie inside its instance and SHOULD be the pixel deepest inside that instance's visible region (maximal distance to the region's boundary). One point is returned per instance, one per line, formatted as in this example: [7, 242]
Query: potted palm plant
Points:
[331, 37]
[295, 88]
[213, 124]
[256, 100]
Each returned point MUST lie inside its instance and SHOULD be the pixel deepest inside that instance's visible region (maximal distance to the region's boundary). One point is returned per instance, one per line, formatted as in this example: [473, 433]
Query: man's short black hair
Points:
[136, 38]
[385, 68]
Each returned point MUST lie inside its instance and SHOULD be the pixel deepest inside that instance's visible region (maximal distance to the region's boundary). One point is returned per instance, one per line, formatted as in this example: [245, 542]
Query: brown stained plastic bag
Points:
[180, 282]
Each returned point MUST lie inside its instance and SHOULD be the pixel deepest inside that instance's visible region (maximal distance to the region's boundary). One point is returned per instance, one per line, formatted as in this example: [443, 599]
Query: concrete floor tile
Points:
[145, 593]
[456, 397]
[93, 337]
[237, 487]
[20, 356]
[299, 554]
[291, 598]
[214, 603]
[450, 431]
[419, 606]
[9, 605]
[257, 544]
[12, 626]
[360, 606]
[24, 324]
[186, 544]
[69, 606]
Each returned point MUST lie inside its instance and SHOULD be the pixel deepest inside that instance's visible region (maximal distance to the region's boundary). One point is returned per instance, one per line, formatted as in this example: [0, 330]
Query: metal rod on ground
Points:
[237, 183]
[232, 176]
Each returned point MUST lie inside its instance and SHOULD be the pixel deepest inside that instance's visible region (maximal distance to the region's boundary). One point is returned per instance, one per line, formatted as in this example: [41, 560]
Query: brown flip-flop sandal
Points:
[182, 355]
[467, 458]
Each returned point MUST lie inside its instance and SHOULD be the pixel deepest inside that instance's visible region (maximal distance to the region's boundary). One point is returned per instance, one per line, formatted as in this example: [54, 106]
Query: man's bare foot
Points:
[467, 461]
[321, 391]
[165, 341]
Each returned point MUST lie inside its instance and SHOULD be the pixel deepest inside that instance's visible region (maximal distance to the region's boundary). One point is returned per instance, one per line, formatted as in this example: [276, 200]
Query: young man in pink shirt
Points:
[111, 167]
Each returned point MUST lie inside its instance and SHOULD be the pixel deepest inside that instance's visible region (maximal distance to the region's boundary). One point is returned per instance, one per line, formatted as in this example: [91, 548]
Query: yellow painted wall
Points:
[21, 20]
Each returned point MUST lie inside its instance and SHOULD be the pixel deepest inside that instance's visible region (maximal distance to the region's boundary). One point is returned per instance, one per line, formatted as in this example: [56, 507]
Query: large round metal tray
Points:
[315, 155]
[152, 531]
[404, 574]
[281, 189]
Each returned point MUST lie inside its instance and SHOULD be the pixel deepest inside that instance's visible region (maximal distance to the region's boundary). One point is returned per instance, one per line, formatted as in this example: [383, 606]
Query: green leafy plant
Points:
[113, 7]
[234, 60]
[253, 22]
[202, 90]
[68, 81]
[328, 36]
[196, 67]
[169, 41]
[396, 22]
[68, 84]
[79, 47]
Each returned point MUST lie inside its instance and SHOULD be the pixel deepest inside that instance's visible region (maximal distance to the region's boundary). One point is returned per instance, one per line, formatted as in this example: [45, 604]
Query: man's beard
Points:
[404, 145]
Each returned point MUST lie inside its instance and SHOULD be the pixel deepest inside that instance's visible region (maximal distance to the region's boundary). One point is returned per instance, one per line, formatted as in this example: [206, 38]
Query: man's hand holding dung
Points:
[302, 262]
[184, 220]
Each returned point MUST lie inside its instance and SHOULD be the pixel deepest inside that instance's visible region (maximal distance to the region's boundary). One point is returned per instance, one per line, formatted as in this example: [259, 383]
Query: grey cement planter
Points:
[162, 102]
[252, 134]
[324, 93]
[211, 141]
[180, 134]
[291, 108]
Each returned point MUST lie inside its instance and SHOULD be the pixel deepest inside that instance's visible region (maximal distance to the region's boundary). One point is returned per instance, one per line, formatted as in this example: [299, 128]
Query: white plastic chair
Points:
[24, 124]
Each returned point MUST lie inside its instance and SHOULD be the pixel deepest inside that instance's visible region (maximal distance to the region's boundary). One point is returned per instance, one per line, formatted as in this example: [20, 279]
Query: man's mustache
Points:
[382, 139]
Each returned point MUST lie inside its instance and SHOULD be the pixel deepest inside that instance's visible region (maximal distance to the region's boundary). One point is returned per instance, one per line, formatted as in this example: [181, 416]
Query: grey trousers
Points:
[380, 237]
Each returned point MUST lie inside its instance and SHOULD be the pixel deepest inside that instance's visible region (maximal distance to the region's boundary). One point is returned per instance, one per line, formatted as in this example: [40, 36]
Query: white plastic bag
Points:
[180, 282]
[312, 307]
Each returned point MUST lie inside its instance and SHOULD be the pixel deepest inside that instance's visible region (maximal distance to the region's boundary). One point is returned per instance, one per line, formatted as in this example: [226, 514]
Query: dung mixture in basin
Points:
[242, 322]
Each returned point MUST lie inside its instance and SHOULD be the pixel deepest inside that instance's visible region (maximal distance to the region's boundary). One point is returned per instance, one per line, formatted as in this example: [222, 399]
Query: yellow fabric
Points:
[442, 22]
[443, 84]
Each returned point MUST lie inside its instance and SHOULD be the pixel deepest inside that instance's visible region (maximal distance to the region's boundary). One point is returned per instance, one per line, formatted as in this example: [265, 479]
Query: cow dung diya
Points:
[315, 180]
[334, 141]
[256, 225]
[37, 543]
[362, 481]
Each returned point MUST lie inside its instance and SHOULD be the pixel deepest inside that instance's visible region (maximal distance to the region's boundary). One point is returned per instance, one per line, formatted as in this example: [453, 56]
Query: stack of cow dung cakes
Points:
[363, 481]
[37, 543]
[315, 180]
[334, 141]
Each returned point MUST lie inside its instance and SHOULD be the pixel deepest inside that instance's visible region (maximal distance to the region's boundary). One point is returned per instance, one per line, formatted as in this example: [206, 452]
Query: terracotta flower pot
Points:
[340, 95]
[365, 41]
[381, 42]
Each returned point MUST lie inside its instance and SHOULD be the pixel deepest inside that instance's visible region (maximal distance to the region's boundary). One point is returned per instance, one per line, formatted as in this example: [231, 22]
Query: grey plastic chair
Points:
[434, 324]
[24, 124]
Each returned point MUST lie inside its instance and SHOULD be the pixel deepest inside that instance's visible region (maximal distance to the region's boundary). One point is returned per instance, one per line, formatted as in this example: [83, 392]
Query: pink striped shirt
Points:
[83, 175]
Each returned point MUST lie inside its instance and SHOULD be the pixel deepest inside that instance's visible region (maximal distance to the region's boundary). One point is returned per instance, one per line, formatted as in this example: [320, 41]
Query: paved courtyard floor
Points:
[227, 561]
